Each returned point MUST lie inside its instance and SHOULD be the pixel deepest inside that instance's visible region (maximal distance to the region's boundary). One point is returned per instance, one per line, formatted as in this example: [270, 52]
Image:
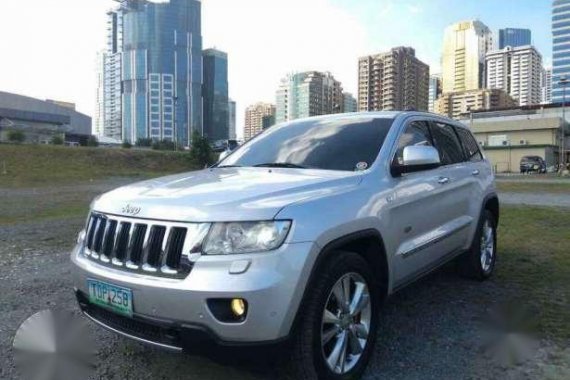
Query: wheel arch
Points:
[491, 203]
[367, 243]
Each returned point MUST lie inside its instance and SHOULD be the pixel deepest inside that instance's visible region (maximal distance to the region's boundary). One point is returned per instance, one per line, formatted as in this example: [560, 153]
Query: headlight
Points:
[245, 237]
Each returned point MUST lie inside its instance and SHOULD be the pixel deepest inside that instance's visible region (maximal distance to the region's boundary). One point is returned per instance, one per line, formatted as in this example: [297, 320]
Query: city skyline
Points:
[368, 27]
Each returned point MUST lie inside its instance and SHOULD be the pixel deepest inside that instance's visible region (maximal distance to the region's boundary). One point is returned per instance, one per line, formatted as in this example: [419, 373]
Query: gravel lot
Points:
[438, 328]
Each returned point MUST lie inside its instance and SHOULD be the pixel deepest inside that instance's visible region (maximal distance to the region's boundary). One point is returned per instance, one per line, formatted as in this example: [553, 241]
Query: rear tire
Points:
[479, 262]
[333, 331]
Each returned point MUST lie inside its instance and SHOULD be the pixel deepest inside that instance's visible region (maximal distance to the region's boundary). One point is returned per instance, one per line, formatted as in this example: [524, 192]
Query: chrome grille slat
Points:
[121, 243]
[152, 247]
[108, 236]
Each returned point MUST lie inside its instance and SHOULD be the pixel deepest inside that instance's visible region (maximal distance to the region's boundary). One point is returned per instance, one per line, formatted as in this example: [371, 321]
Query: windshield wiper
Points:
[280, 165]
[227, 166]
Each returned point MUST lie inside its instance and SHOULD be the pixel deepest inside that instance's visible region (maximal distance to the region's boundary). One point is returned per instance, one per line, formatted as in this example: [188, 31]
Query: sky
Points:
[48, 47]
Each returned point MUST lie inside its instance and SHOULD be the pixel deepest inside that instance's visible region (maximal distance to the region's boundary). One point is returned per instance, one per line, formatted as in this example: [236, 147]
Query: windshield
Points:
[349, 143]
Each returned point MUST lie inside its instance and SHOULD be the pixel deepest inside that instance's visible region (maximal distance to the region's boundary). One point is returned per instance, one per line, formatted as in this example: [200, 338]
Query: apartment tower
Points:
[256, 117]
[306, 94]
[395, 80]
[518, 71]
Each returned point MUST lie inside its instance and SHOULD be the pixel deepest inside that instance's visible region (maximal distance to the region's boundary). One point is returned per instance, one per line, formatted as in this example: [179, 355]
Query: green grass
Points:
[532, 187]
[43, 165]
[55, 210]
[534, 248]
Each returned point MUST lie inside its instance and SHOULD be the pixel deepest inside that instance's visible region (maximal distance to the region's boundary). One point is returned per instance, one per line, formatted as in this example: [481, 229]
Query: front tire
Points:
[337, 328]
[479, 262]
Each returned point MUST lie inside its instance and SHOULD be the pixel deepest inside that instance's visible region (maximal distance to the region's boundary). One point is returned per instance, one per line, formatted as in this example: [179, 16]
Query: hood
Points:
[225, 194]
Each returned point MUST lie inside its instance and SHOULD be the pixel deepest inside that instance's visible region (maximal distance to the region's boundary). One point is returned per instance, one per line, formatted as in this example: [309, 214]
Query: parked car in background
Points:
[224, 145]
[533, 164]
[298, 235]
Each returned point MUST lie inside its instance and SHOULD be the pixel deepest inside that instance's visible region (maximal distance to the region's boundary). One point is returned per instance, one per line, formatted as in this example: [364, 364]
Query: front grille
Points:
[137, 245]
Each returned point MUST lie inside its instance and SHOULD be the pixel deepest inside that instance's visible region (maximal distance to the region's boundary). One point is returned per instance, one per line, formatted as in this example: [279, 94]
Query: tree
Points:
[16, 136]
[57, 140]
[92, 141]
[201, 151]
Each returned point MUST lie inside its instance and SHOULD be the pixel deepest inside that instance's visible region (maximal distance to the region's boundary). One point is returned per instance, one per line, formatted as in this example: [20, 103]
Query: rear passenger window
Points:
[417, 133]
[447, 143]
[470, 145]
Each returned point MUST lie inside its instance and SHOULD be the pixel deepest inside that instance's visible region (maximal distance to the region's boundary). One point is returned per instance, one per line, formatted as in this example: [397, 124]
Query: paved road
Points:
[528, 179]
[532, 199]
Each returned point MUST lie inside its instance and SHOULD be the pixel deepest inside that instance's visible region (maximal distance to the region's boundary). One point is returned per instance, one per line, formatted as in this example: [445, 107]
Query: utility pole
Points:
[562, 160]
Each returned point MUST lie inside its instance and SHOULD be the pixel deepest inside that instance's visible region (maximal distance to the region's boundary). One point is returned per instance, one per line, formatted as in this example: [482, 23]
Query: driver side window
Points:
[416, 134]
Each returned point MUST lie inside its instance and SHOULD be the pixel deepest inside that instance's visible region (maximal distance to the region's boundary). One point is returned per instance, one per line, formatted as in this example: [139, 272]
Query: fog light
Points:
[238, 307]
[228, 310]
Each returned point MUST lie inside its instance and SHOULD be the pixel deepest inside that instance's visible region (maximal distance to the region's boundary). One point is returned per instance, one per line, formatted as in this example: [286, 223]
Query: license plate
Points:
[115, 298]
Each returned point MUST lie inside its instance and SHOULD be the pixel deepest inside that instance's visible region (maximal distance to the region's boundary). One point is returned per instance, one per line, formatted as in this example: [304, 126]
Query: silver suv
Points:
[297, 236]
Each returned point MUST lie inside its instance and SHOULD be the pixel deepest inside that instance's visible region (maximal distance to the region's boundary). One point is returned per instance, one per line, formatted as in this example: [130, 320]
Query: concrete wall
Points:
[534, 137]
[506, 160]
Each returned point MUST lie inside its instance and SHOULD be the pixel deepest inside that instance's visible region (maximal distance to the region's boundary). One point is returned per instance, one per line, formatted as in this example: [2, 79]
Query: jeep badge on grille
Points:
[131, 210]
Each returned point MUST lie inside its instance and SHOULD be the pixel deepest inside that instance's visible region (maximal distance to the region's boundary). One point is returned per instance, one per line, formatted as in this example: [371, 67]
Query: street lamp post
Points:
[174, 123]
[562, 160]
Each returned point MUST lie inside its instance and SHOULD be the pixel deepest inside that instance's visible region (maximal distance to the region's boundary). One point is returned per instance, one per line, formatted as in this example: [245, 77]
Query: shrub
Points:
[163, 145]
[201, 151]
[144, 142]
[126, 145]
[16, 136]
[92, 141]
[57, 140]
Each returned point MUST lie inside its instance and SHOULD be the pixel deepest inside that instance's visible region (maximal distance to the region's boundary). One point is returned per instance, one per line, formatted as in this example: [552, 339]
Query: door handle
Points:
[443, 180]
[475, 172]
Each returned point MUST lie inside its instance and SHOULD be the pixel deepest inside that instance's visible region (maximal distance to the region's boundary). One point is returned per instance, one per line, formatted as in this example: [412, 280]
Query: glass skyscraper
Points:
[215, 93]
[514, 37]
[561, 47]
[157, 48]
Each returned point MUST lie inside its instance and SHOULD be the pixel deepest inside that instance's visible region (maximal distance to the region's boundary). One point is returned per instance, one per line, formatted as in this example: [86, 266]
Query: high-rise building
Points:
[350, 103]
[109, 111]
[153, 71]
[514, 37]
[232, 121]
[395, 80]
[99, 117]
[215, 93]
[256, 116]
[463, 62]
[546, 85]
[434, 90]
[306, 94]
[561, 47]
[455, 104]
[518, 71]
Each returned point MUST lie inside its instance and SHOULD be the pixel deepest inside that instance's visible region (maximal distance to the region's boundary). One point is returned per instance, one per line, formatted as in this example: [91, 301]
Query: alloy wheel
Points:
[346, 323]
[487, 246]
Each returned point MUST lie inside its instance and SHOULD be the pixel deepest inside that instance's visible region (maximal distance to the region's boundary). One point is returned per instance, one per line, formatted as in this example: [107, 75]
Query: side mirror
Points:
[223, 155]
[417, 158]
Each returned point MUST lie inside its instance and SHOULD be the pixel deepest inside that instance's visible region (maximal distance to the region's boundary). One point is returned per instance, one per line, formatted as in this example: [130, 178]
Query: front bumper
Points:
[173, 313]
